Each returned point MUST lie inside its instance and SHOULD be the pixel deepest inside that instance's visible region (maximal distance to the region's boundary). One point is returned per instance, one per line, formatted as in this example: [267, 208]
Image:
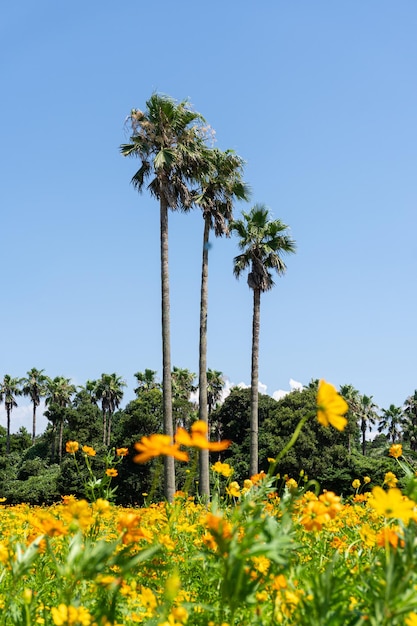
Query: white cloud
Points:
[22, 416]
[294, 386]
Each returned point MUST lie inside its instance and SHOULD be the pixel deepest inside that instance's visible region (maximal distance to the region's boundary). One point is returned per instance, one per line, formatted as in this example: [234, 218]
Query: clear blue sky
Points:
[319, 98]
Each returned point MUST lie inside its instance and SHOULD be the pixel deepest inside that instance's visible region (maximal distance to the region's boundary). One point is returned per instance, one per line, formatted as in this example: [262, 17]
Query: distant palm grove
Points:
[182, 170]
[35, 468]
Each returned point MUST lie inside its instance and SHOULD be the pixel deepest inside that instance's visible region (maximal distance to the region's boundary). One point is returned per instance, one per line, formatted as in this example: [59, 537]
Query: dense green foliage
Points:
[35, 473]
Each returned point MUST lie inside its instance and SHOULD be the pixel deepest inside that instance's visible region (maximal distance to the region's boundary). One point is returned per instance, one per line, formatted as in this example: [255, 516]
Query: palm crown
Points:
[262, 242]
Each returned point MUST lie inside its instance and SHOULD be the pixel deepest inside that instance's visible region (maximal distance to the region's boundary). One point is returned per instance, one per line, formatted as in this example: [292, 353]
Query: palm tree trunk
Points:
[204, 484]
[363, 439]
[109, 425]
[8, 430]
[61, 436]
[254, 382]
[169, 465]
[104, 426]
[34, 423]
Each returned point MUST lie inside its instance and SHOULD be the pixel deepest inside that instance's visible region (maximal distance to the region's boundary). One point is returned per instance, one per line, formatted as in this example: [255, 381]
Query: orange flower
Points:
[331, 407]
[89, 451]
[388, 535]
[72, 447]
[111, 472]
[122, 451]
[198, 438]
[396, 450]
[157, 445]
[314, 515]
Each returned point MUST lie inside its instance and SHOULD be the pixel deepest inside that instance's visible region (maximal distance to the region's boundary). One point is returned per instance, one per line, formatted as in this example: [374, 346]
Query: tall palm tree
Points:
[168, 137]
[9, 389]
[182, 388]
[262, 241]
[215, 386]
[146, 381]
[34, 386]
[109, 391]
[410, 420]
[221, 186]
[353, 398]
[368, 416]
[391, 420]
[60, 391]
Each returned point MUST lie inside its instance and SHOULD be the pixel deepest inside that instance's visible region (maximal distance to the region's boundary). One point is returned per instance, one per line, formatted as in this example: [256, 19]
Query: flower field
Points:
[270, 551]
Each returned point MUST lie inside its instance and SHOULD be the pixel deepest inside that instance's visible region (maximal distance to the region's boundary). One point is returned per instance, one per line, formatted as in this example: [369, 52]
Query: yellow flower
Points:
[291, 485]
[64, 615]
[366, 480]
[89, 451]
[72, 447]
[390, 479]
[392, 504]
[331, 407]
[233, 489]
[396, 450]
[411, 620]
[222, 468]
[356, 483]
[111, 472]
[157, 445]
[122, 451]
[198, 438]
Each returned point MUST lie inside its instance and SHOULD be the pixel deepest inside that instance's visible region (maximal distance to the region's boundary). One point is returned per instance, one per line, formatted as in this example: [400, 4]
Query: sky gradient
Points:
[319, 98]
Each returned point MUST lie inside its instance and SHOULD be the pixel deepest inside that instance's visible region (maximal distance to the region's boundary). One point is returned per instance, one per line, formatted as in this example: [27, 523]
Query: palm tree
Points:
[391, 420]
[352, 397]
[9, 389]
[146, 381]
[34, 386]
[58, 397]
[262, 242]
[182, 388]
[109, 391]
[215, 386]
[410, 420]
[368, 416]
[219, 189]
[168, 138]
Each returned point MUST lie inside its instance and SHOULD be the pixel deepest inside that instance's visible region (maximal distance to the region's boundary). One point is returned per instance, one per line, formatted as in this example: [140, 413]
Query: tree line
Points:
[37, 469]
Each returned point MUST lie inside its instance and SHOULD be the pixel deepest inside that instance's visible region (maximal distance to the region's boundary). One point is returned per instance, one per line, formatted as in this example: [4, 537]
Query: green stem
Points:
[291, 442]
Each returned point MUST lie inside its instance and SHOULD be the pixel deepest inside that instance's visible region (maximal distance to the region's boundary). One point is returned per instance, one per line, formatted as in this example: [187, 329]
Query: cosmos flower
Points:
[72, 447]
[331, 407]
[198, 438]
[396, 450]
[392, 504]
[158, 445]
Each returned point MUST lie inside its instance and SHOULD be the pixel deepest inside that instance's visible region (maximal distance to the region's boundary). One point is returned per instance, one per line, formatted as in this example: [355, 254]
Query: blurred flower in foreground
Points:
[411, 620]
[331, 407]
[157, 445]
[198, 438]
[392, 504]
